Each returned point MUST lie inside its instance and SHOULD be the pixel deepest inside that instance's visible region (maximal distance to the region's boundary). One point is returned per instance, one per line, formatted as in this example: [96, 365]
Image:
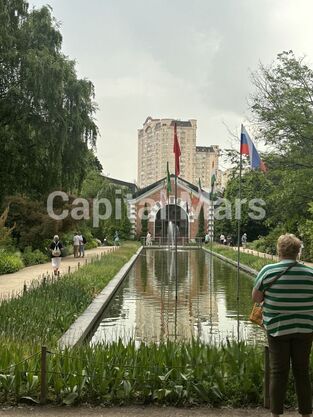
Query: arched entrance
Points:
[167, 214]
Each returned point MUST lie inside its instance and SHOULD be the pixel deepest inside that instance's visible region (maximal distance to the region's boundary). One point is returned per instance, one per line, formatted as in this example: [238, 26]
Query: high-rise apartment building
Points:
[206, 162]
[155, 148]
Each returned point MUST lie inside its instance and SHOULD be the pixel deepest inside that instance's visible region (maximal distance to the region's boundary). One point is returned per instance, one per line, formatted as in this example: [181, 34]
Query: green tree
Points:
[254, 185]
[144, 221]
[201, 231]
[5, 232]
[283, 109]
[46, 112]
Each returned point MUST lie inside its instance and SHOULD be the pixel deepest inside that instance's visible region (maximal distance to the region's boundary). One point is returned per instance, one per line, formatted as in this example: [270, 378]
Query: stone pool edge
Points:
[83, 325]
[244, 268]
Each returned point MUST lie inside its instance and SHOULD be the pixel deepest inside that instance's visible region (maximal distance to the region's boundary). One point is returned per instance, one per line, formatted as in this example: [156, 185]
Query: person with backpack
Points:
[56, 249]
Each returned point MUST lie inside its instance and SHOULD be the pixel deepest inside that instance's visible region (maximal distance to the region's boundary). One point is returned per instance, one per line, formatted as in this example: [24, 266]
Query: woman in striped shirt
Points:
[288, 320]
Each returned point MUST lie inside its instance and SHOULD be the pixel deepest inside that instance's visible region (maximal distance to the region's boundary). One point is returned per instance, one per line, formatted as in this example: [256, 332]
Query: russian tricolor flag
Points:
[247, 148]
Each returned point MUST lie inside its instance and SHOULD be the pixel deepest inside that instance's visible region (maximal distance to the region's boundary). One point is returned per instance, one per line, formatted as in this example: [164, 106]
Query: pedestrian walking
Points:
[76, 244]
[56, 249]
[82, 243]
[149, 239]
[116, 239]
[244, 239]
[285, 288]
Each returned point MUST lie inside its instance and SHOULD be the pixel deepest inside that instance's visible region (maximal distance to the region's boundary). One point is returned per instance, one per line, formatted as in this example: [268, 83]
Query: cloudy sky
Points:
[175, 58]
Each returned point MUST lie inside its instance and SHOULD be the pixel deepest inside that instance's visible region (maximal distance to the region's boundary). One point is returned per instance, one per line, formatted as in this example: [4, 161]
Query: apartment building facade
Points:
[155, 149]
[206, 162]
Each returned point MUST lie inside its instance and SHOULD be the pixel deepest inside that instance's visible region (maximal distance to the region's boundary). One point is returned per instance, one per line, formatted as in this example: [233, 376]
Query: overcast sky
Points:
[175, 58]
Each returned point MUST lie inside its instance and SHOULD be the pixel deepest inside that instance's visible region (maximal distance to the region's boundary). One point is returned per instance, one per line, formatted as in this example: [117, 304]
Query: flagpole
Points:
[238, 240]
[176, 150]
[211, 258]
[168, 217]
[176, 281]
[162, 222]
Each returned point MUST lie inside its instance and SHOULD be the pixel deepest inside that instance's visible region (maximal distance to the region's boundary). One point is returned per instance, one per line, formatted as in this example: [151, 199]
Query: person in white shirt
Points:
[76, 243]
[148, 239]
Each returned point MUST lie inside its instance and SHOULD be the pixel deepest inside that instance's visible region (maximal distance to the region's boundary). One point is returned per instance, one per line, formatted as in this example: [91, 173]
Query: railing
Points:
[164, 241]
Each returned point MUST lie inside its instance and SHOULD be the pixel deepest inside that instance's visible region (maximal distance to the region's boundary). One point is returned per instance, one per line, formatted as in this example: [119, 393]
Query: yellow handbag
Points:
[256, 315]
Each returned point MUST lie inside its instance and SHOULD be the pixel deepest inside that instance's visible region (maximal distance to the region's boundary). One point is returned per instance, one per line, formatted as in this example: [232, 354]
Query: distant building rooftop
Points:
[205, 149]
[131, 186]
[162, 180]
[181, 123]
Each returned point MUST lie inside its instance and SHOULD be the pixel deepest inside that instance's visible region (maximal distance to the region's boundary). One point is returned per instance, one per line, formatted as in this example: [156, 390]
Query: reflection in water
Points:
[145, 307]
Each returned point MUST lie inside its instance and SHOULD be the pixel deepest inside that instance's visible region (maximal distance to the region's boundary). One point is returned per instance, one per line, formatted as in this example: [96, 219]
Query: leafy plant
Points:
[33, 257]
[10, 262]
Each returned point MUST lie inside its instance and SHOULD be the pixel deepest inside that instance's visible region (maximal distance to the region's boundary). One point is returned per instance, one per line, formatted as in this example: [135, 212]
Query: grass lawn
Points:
[247, 259]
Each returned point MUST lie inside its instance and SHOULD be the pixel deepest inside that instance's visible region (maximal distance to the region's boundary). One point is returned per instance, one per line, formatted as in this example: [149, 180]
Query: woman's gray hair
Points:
[288, 246]
[55, 237]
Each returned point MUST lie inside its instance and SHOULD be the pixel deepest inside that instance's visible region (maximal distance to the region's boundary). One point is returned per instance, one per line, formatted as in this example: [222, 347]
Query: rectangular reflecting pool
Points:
[146, 309]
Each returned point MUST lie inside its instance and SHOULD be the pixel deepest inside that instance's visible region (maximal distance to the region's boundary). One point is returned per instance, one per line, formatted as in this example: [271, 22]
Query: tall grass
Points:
[254, 262]
[168, 373]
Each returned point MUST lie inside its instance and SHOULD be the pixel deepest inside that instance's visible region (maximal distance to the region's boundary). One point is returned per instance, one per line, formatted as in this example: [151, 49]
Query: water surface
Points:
[145, 307]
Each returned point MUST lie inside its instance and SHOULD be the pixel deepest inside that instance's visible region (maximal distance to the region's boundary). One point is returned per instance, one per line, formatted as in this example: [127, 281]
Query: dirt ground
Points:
[134, 412]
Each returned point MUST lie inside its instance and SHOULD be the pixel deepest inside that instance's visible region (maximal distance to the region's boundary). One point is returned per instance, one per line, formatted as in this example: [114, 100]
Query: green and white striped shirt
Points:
[288, 303]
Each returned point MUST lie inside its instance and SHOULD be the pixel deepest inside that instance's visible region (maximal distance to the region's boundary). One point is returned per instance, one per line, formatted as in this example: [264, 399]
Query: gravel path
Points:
[136, 412]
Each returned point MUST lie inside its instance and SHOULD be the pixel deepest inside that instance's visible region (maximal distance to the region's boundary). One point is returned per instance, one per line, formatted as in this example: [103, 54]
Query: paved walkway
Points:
[149, 411]
[13, 284]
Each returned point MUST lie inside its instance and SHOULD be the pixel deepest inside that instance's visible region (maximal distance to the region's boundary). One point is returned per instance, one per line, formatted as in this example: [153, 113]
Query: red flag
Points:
[176, 150]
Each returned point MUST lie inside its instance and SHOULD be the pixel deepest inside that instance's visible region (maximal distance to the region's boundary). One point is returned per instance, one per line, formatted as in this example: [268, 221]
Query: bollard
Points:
[43, 376]
[69, 269]
[266, 378]
[25, 287]
[86, 262]
[78, 265]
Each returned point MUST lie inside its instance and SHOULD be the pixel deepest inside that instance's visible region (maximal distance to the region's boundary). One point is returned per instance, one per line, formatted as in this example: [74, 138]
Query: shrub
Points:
[92, 243]
[34, 257]
[10, 262]
[267, 244]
